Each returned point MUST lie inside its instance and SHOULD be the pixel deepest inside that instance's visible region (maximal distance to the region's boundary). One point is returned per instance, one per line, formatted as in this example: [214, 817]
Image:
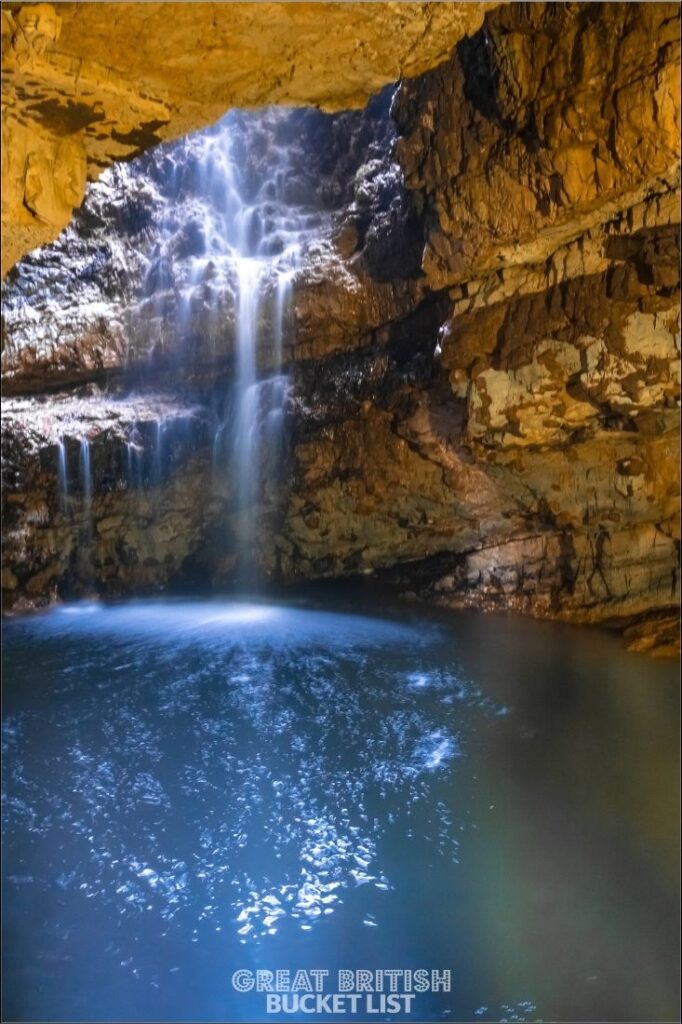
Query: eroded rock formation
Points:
[483, 364]
[542, 126]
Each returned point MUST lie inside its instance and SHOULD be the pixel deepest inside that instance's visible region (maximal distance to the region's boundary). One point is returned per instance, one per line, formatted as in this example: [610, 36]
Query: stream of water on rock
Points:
[86, 489]
[247, 238]
[252, 235]
[193, 788]
[62, 476]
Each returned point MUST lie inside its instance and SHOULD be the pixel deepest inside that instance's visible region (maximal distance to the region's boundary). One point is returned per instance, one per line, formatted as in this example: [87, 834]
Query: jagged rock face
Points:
[536, 466]
[115, 304]
[537, 469]
[132, 281]
[84, 85]
[539, 127]
[130, 517]
[483, 367]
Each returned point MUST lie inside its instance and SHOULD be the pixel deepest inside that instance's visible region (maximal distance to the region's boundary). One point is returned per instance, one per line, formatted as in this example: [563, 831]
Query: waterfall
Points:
[285, 284]
[251, 240]
[62, 476]
[85, 471]
[86, 484]
[157, 453]
[130, 456]
[241, 216]
[245, 452]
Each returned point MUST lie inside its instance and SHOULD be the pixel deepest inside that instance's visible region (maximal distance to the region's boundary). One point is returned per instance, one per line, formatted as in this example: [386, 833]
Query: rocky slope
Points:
[483, 364]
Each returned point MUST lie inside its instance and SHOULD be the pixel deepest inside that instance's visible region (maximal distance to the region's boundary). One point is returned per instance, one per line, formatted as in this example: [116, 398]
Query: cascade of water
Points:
[245, 454]
[134, 454]
[86, 483]
[157, 453]
[62, 476]
[227, 256]
[253, 237]
[85, 471]
[154, 446]
[285, 285]
[130, 455]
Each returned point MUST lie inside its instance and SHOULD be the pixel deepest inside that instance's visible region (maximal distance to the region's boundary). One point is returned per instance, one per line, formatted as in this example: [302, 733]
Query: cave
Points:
[340, 511]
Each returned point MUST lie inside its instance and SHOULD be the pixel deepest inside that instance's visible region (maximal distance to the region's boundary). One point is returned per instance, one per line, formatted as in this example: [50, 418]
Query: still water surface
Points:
[191, 788]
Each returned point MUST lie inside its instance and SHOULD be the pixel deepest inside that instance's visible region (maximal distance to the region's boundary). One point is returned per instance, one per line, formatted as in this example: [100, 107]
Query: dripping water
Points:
[249, 275]
[237, 226]
[157, 453]
[85, 470]
[86, 484]
[62, 476]
[130, 463]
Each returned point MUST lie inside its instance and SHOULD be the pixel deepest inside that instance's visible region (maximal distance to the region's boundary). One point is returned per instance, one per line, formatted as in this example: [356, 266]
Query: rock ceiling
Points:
[85, 84]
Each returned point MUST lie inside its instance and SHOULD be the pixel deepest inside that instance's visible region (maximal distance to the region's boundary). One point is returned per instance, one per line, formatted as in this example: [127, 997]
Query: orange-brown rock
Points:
[543, 125]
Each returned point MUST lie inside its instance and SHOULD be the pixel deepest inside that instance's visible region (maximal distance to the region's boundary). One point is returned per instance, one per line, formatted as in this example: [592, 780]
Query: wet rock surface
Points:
[101, 494]
[139, 282]
[482, 367]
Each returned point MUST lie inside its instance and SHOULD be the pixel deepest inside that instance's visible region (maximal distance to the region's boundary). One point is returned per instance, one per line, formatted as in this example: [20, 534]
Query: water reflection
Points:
[196, 787]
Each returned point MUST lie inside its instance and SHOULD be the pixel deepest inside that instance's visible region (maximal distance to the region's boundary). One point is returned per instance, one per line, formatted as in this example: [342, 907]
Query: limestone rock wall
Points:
[534, 466]
[115, 293]
[131, 517]
[537, 469]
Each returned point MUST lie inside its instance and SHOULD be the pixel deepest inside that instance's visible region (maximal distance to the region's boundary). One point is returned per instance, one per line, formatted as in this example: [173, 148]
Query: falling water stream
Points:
[85, 472]
[250, 241]
[62, 476]
[87, 534]
[253, 239]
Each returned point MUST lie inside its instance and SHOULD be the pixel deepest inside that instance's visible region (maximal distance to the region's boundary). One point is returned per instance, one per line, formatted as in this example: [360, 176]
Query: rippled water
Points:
[196, 787]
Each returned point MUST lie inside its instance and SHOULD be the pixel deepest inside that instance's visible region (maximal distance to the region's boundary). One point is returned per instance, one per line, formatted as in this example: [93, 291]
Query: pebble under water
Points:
[197, 787]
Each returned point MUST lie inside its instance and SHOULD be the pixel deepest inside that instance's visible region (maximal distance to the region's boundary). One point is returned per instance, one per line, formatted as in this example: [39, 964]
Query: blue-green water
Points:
[193, 788]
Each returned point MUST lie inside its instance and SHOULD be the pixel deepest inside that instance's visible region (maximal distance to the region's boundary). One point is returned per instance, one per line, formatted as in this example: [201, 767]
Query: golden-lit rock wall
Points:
[538, 467]
[547, 123]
